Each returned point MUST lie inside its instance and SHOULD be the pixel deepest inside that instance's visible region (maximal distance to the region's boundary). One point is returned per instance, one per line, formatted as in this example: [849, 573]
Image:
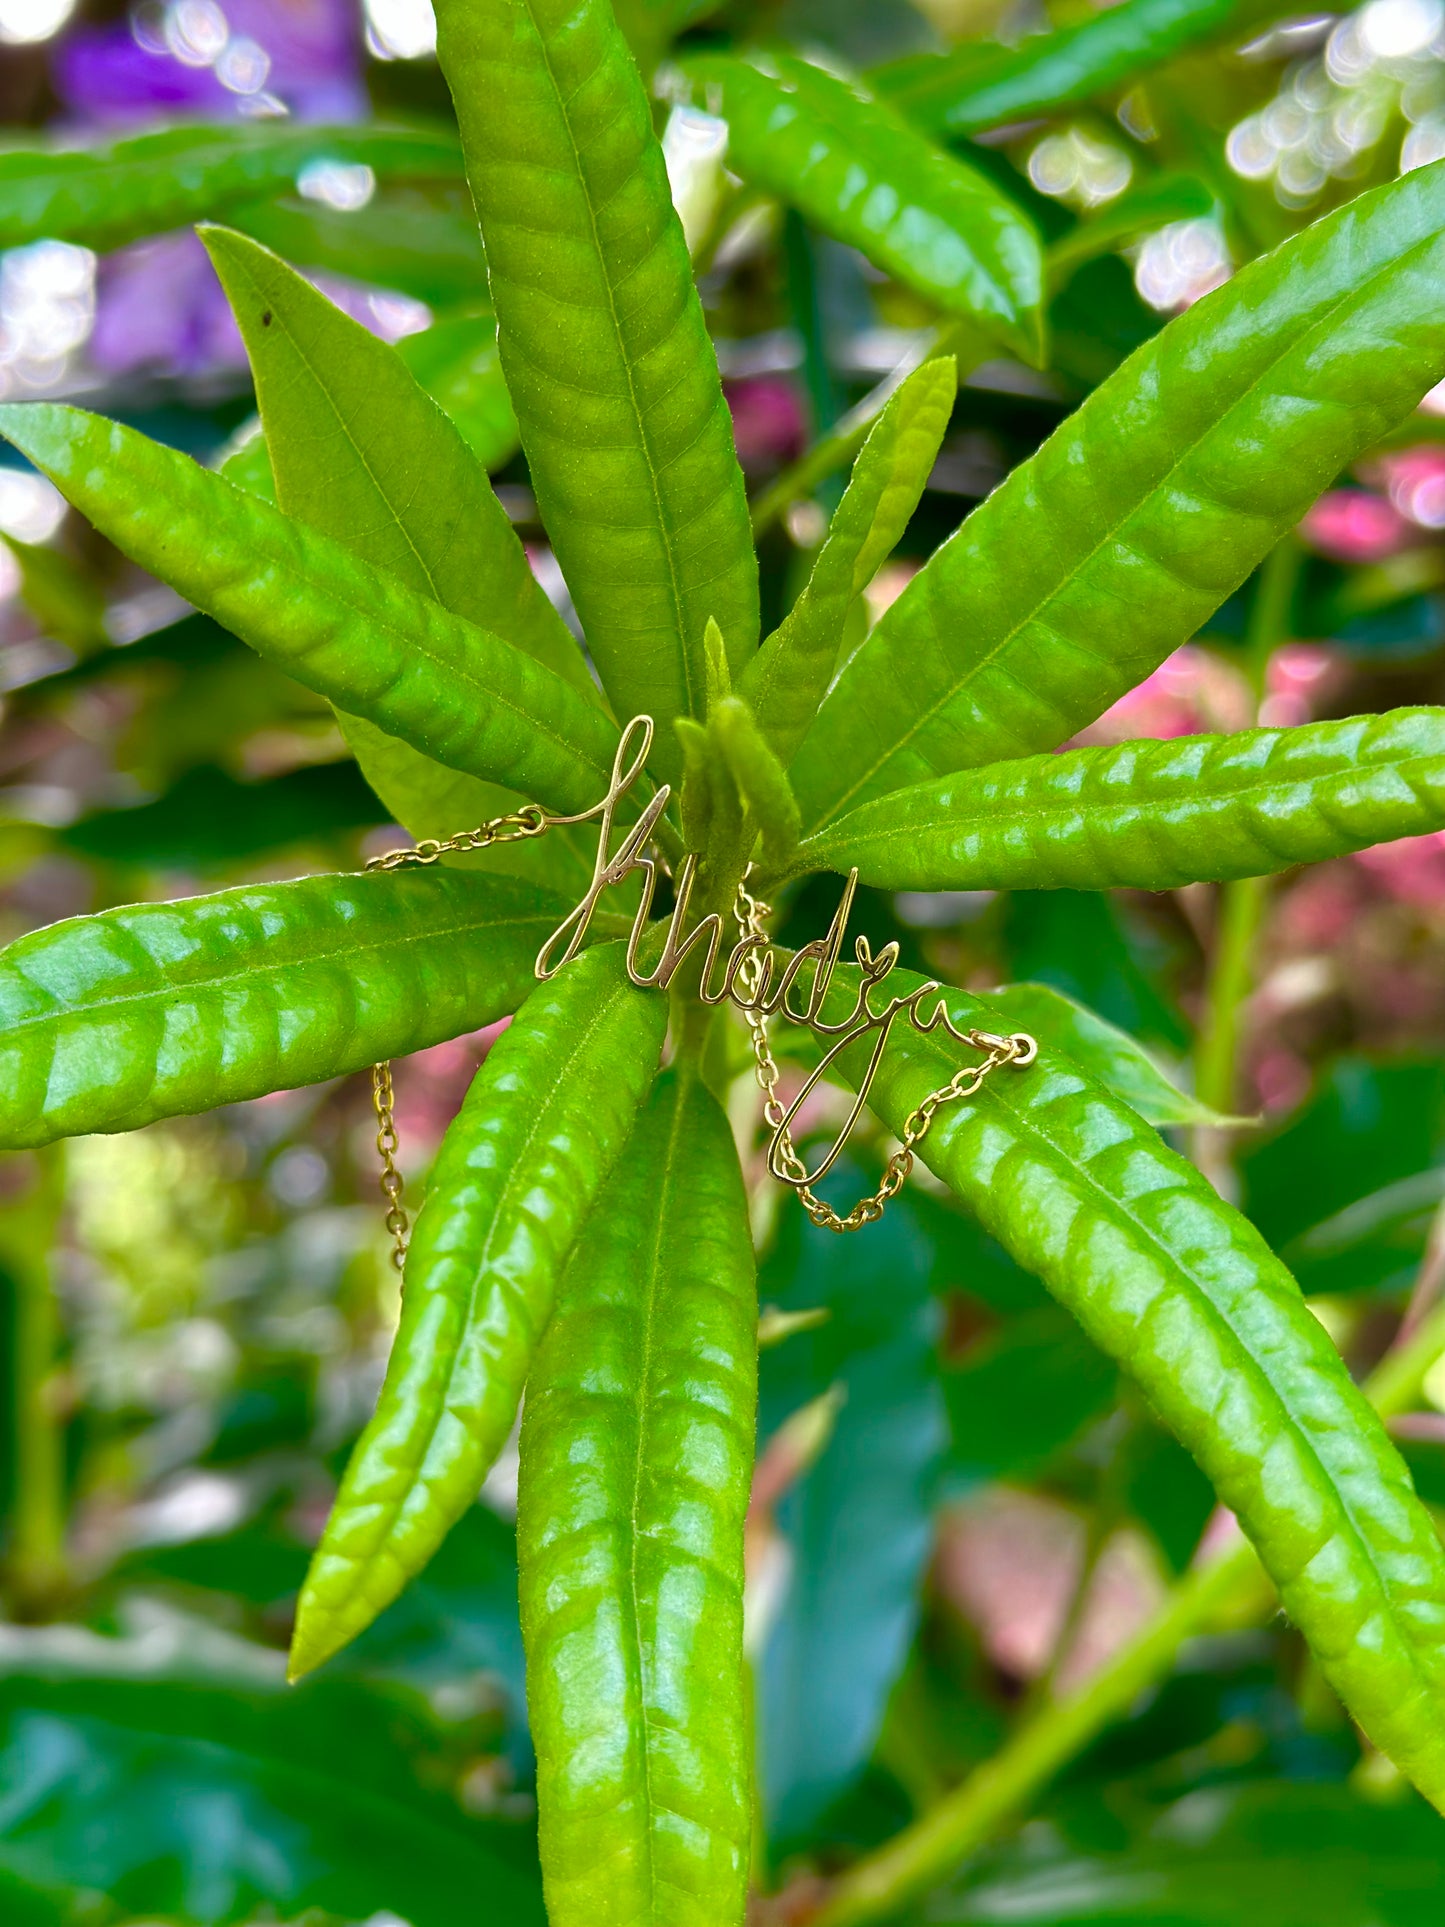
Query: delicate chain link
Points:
[530, 820]
[387, 1145]
[749, 913]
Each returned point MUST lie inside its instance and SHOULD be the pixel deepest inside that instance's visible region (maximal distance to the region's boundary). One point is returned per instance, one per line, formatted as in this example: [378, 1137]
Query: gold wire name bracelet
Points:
[747, 983]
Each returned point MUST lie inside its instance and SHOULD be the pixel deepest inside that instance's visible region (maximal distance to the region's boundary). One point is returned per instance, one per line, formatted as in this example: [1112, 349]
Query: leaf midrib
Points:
[264, 973]
[988, 817]
[646, 1404]
[1356, 295]
[674, 586]
[1250, 1365]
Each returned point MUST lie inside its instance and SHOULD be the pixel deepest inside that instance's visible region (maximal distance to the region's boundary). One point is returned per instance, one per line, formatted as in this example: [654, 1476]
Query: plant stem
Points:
[36, 1563]
[929, 1849]
[1240, 913]
[830, 454]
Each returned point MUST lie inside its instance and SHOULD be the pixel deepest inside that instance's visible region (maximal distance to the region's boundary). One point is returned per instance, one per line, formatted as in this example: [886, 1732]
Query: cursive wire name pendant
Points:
[748, 978]
[750, 982]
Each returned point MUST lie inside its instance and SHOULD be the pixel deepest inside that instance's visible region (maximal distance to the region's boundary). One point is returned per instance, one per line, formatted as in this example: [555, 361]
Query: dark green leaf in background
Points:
[858, 1525]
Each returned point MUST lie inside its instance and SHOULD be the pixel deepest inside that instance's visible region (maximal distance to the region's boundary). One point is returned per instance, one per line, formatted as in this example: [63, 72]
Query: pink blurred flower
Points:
[1298, 678]
[1355, 525]
[1192, 692]
[430, 1086]
[1411, 871]
[1010, 1562]
[1416, 482]
[768, 421]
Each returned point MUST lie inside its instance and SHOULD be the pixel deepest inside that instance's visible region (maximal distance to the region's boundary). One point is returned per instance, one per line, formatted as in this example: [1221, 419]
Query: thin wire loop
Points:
[1019, 1050]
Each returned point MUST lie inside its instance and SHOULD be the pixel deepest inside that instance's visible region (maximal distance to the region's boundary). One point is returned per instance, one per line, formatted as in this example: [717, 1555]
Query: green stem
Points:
[934, 1845]
[1231, 971]
[37, 1522]
[835, 450]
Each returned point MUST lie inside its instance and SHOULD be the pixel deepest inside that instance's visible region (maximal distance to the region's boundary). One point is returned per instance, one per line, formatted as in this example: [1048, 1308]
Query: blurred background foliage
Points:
[960, 1512]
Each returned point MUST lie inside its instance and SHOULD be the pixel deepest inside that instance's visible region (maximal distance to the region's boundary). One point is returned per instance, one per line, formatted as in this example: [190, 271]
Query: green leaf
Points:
[543, 1125]
[208, 818]
[1105, 551]
[650, 25]
[858, 1524]
[1106, 1053]
[362, 454]
[343, 628]
[1258, 1855]
[637, 1445]
[458, 365]
[192, 1784]
[1019, 1395]
[787, 678]
[605, 349]
[1180, 1290]
[761, 780]
[102, 197]
[861, 173]
[1154, 815]
[978, 87]
[421, 242]
[107, 1022]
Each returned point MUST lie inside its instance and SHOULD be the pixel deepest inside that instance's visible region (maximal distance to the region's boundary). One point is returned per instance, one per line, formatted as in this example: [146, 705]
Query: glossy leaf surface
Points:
[1133, 522]
[1184, 1293]
[545, 1121]
[345, 629]
[362, 454]
[1153, 815]
[109, 1021]
[1109, 1055]
[636, 1455]
[606, 354]
[787, 678]
[103, 197]
[458, 364]
[193, 1785]
[974, 88]
[862, 174]
[858, 1525]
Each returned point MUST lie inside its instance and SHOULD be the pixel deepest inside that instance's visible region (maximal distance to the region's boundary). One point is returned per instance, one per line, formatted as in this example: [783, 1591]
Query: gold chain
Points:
[530, 820]
[749, 913]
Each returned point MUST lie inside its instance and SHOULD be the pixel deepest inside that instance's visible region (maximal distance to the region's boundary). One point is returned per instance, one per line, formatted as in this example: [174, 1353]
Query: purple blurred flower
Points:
[201, 59]
[768, 421]
[159, 305]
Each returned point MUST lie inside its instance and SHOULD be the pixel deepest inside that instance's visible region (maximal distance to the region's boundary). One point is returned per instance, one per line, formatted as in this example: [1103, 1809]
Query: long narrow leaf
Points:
[787, 678]
[974, 88]
[542, 1127]
[636, 1455]
[1136, 519]
[1184, 1293]
[351, 632]
[102, 197]
[862, 174]
[604, 345]
[1154, 815]
[107, 1022]
[361, 453]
